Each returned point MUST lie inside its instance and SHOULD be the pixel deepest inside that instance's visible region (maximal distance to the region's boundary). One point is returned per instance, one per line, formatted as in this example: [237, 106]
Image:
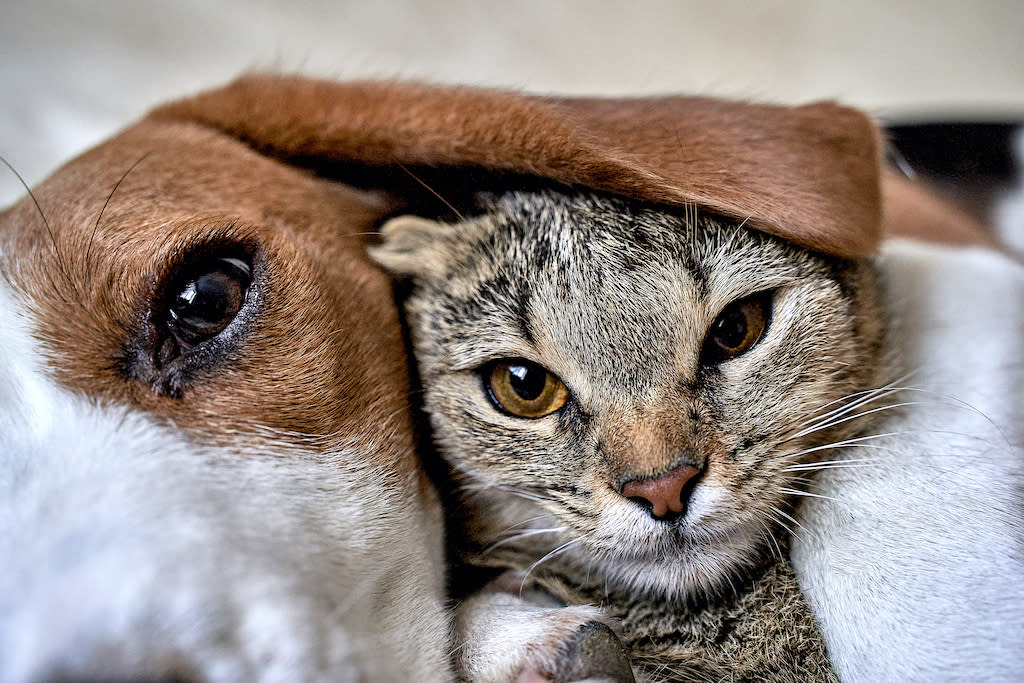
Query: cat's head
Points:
[653, 381]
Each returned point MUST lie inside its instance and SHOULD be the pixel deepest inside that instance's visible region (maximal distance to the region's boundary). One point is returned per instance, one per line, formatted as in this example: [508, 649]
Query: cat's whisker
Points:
[551, 555]
[854, 399]
[863, 399]
[849, 403]
[846, 443]
[963, 404]
[781, 518]
[770, 538]
[520, 536]
[524, 522]
[484, 486]
[828, 425]
[845, 401]
[853, 463]
[790, 518]
[807, 494]
[536, 498]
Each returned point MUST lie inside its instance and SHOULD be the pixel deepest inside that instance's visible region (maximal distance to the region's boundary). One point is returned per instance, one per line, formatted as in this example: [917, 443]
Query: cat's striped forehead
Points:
[592, 241]
[586, 281]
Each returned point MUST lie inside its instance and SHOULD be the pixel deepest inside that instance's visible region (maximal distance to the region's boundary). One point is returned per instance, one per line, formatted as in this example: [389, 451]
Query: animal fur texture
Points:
[617, 300]
[260, 515]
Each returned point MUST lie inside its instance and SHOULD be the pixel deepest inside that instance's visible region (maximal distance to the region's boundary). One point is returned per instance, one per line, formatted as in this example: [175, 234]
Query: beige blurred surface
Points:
[71, 73]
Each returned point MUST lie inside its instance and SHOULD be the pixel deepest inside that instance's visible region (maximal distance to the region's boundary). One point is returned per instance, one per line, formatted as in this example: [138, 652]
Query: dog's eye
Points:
[736, 329]
[524, 389]
[207, 299]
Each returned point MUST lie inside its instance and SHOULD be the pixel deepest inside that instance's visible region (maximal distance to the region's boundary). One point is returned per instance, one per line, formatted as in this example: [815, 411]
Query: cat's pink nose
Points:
[667, 494]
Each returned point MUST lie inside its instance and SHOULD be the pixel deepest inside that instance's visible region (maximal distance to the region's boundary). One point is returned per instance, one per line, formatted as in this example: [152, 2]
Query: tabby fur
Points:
[615, 298]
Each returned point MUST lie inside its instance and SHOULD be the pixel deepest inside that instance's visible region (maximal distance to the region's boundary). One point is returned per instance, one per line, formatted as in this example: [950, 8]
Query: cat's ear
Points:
[413, 246]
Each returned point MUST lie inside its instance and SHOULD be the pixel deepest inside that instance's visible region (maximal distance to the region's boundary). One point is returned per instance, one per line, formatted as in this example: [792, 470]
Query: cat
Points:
[632, 401]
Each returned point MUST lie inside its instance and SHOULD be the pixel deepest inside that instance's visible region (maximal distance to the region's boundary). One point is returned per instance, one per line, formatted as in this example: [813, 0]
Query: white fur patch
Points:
[129, 552]
[915, 566]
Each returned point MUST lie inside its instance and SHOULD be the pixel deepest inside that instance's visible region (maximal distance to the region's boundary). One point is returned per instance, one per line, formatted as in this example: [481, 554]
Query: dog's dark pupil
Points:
[209, 302]
[527, 381]
[730, 329]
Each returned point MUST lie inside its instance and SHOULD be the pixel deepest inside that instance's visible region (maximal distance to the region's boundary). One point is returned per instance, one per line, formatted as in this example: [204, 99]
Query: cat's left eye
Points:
[524, 389]
[737, 329]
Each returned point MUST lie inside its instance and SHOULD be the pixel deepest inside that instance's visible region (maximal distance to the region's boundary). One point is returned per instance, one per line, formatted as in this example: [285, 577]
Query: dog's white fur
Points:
[128, 551]
[915, 562]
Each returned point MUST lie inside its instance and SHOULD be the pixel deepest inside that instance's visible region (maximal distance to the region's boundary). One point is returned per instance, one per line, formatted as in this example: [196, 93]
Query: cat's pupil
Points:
[731, 328]
[527, 382]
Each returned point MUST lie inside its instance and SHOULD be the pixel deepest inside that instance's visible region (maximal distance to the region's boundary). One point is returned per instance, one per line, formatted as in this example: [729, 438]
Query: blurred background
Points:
[73, 72]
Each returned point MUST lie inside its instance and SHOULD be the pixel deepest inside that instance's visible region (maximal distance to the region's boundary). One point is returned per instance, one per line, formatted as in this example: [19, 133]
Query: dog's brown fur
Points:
[192, 184]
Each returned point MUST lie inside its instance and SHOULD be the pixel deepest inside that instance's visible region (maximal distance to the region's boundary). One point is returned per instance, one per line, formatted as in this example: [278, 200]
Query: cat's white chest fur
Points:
[915, 566]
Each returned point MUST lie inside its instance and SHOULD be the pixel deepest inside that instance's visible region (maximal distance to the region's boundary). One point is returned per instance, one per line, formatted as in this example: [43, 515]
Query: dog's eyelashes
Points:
[207, 300]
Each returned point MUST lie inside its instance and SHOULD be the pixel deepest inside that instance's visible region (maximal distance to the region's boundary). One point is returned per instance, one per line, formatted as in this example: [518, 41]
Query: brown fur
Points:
[194, 183]
[770, 166]
[912, 211]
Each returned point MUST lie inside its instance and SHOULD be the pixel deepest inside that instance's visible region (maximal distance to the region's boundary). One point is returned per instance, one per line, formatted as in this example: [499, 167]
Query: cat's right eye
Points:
[524, 389]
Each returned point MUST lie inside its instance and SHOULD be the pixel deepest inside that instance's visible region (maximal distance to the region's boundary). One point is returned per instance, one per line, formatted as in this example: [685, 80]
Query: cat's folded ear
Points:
[808, 174]
[413, 246]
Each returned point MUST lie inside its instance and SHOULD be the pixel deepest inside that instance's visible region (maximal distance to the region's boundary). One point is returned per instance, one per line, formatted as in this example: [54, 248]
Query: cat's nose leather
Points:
[664, 493]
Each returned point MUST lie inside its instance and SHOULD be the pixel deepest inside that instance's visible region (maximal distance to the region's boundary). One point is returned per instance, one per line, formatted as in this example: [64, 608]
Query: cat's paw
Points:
[593, 653]
[507, 638]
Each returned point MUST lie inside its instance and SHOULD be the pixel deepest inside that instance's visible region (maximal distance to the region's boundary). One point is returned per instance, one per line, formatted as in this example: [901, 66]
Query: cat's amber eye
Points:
[524, 389]
[736, 329]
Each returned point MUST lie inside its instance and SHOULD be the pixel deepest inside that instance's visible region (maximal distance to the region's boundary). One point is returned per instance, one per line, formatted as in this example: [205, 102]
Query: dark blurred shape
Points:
[971, 163]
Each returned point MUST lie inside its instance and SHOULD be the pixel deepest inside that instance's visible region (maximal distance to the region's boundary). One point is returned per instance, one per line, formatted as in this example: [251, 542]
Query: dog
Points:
[207, 457]
[207, 450]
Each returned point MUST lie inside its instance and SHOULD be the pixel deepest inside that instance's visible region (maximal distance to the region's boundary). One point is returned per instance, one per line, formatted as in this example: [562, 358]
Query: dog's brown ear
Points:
[808, 174]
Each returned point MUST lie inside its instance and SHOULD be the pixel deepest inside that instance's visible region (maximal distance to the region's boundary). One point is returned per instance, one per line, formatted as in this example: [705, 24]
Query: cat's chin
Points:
[680, 571]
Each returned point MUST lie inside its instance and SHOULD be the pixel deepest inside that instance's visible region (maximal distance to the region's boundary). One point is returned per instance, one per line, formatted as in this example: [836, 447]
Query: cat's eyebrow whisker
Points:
[431, 190]
[551, 555]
